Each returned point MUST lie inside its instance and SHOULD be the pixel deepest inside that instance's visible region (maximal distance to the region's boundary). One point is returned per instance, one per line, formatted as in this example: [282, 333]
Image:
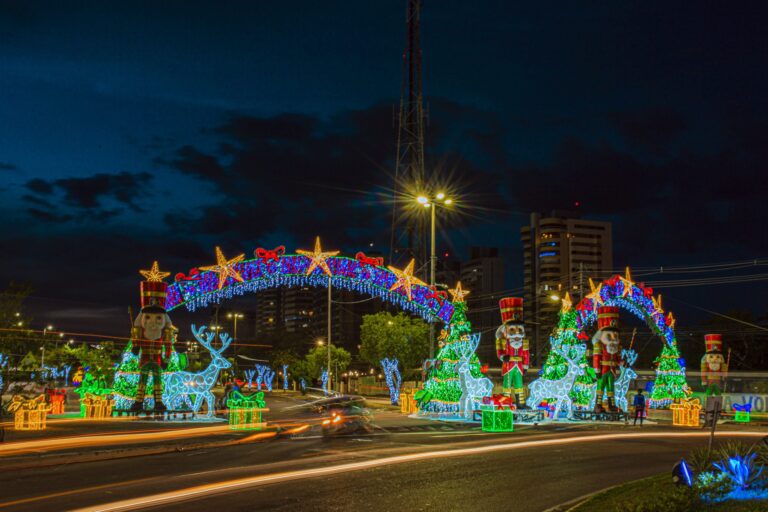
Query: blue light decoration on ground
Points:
[285, 377]
[303, 384]
[182, 390]
[391, 372]
[249, 376]
[626, 376]
[324, 378]
[3, 364]
[742, 470]
[638, 299]
[742, 412]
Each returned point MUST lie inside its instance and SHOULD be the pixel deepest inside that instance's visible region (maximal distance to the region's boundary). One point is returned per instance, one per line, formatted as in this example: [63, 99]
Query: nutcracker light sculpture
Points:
[606, 355]
[152, 336]
[714, 368]
[512, 348]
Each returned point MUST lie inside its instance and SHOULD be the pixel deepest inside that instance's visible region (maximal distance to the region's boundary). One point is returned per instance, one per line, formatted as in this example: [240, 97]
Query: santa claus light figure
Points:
[714, 368]
[152, 338]
[606, 355]
[512, 348]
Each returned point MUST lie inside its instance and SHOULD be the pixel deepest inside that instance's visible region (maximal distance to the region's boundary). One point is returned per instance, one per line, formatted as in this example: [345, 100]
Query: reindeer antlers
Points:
[207, 341]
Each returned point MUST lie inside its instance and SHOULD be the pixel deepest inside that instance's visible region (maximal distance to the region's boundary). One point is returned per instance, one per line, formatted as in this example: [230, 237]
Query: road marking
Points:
[197, 492]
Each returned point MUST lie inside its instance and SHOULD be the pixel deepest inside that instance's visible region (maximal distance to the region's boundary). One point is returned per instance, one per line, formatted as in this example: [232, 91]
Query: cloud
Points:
[652, 129]
[86, 196]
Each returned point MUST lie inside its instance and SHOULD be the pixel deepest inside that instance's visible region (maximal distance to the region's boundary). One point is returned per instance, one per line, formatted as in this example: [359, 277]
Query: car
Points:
[347, 417]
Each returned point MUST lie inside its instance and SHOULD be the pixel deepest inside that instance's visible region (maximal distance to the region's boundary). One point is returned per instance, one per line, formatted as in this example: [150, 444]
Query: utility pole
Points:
[329, 334]
[432, 267]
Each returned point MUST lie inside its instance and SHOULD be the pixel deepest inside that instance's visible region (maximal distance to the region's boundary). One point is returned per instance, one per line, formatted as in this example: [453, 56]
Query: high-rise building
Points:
[483, 275]
[560, 253]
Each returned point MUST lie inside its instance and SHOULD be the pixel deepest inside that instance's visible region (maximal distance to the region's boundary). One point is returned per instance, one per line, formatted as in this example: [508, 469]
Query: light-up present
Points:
[686, 413]
[245, 411]
[97, 407]
[29, 414]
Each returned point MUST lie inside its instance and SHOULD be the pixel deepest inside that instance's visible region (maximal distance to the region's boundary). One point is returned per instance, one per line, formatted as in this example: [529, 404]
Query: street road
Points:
[414, 468]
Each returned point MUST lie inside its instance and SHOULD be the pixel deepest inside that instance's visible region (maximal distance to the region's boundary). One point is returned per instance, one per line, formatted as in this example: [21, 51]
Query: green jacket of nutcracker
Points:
[714, 368]
[606, 355]
[152, 338]
[512, 348]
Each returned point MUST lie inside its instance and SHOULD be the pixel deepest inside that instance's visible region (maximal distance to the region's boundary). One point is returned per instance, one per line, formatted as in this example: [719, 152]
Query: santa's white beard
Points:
[516, 342]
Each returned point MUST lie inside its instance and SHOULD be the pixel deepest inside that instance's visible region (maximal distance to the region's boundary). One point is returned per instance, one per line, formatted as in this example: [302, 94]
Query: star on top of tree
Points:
[317, 257]
[154, 275]
[225, 268]
[405, 278]
[458, 293]
[628, 284]
[567, 303]
[595, 295]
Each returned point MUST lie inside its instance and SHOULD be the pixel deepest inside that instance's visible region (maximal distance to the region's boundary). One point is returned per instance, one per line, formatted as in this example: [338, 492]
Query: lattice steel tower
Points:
[409, 236]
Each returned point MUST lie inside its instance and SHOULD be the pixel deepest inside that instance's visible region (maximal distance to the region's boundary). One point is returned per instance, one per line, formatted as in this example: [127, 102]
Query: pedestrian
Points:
[639, 406]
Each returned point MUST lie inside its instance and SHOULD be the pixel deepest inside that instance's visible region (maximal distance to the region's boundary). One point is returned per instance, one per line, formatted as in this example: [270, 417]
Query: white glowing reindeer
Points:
[625, 378]
[179, 386]
[472, 388]
[560, 389]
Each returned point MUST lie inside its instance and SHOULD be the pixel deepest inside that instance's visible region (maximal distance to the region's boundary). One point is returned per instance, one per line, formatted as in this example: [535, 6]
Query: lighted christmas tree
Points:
[442, 390]
[126, 381]
[670, 378]
[566, 334]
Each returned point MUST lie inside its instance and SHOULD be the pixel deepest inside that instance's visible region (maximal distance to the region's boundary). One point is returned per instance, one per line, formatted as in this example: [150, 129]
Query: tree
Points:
[385, 335]
[317, 360]
[15, 342]
[670, 381]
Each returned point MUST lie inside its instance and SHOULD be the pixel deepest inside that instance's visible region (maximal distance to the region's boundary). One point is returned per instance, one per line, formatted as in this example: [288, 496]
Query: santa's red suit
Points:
[512, 348]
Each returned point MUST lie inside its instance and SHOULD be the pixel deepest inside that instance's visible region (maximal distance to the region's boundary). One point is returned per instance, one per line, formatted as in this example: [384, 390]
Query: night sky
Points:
[135, 131]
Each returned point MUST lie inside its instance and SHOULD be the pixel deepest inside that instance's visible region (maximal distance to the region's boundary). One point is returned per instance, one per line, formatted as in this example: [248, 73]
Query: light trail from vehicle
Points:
[240, 484]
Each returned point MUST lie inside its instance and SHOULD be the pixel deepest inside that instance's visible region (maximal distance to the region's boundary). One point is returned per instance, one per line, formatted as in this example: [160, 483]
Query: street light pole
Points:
[432, 267]
[329, 334]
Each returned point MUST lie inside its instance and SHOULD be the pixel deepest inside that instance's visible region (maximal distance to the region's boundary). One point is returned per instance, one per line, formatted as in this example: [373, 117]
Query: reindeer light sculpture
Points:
[559, 389]
[473, 389]
[182, 385]
[626, 375]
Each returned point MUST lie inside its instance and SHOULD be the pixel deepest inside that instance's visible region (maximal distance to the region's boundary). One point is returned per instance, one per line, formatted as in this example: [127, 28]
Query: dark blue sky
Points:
[135, 131]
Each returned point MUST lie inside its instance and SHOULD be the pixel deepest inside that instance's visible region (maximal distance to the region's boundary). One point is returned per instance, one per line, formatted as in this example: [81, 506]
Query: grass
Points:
[659, 494]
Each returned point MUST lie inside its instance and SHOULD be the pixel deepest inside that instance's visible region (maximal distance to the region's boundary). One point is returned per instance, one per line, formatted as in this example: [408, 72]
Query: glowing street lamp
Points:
[439, 200]
[234, 336]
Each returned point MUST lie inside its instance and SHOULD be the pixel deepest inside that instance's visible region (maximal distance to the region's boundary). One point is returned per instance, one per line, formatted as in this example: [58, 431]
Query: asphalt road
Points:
[403, 467]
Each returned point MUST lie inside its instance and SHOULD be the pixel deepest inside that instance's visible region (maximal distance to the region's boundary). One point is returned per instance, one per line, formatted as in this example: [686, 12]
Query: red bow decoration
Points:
[614, 280]
[439, 295]
[266, 255]
[500, 401]
[484, 369]
[582, 335]
[194, 274]
[648, 292]
[362, 258]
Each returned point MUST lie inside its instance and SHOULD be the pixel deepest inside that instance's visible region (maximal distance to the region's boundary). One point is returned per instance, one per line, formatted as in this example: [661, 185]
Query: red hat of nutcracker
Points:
[511, 310]
[153, 295]
[608, 318]
[714, 342]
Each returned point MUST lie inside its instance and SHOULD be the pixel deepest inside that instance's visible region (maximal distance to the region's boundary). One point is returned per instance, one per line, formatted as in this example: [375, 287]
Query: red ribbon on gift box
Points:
[436, 294]
[194, 274]
[500, 402]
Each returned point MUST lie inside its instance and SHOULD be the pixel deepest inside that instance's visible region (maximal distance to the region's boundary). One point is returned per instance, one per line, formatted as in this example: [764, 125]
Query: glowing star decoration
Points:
[567, 303]
[394, 380]
[154, 275]
[225, 268]
[458, 293]
[318, 258]
[628, 284]
[560, 389]
[657, 305]
[670, 320]
[595, 294]
[405, 279]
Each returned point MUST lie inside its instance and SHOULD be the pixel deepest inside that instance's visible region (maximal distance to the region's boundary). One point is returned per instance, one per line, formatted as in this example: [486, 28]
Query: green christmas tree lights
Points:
[442, 390]
[566, 334]
[670, 382]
